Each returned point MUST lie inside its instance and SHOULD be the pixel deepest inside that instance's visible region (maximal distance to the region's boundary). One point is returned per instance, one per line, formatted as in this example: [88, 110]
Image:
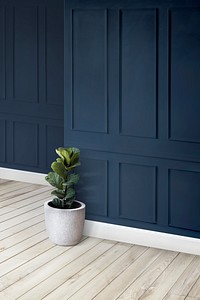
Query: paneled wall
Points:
[132, 104]
[31, 83]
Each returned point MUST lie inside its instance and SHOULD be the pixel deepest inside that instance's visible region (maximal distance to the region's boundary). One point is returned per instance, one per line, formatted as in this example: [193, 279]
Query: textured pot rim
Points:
[65, 209]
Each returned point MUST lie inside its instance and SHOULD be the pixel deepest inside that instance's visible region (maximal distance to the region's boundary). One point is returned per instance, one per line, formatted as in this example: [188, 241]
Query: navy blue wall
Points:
[132, 104]
[31, 82]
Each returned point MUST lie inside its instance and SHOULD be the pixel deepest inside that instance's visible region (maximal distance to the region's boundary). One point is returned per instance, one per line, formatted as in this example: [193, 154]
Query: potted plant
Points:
[64, 216]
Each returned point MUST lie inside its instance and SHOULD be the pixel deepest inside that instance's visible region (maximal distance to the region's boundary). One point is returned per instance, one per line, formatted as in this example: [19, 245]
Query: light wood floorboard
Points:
[31, 267]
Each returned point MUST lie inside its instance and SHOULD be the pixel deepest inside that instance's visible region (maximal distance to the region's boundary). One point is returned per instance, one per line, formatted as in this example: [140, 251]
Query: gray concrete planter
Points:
[65, 226]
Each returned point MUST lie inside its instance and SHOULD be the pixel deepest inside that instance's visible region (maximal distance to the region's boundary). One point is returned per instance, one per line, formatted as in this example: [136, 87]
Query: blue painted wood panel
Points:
[152, 59]
[2, 52]
[185, 73]
[54, 48]
[25, 47]
[31, 82]
[93, 186]
[25, 143]
[89, 84]
[54, 139]
[138, 72]
[137, 185]
[2, 139]
[184, 195]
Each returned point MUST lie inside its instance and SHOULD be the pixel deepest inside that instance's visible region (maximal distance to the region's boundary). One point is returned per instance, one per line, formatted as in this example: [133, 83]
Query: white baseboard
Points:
[25, 176]
[116, 232]
[142, 237]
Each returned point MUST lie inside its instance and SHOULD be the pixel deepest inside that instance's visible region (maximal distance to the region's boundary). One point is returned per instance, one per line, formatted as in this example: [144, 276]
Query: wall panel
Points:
[92, 188]
[3, 140]
[25, 143]
[54, 55]
[2, 52]
[25, 53]
[132, 98]
[138, 67]
[137, 196]
[89, 84]
[184, 195]
[54, 139]
[31, 82]
[184, 74]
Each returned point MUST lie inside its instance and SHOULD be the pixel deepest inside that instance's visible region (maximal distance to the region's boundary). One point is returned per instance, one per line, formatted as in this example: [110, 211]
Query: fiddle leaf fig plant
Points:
[63, 177]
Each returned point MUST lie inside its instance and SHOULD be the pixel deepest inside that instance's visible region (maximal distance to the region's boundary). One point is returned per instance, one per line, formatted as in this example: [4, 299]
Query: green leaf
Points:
[59, 168]
[72, 167]
[74, 178]
[70, 151]
[55, 180]
[75, 150]
[59, 154]
[75, 157]
[58, 193]
[58, 203]
[70, 193]
[60, 160]
[68, 203]
[62, 152]
[71, 179]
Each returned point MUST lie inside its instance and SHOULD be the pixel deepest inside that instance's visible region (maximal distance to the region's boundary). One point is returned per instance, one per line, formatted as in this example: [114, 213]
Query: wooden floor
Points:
[33, 268]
